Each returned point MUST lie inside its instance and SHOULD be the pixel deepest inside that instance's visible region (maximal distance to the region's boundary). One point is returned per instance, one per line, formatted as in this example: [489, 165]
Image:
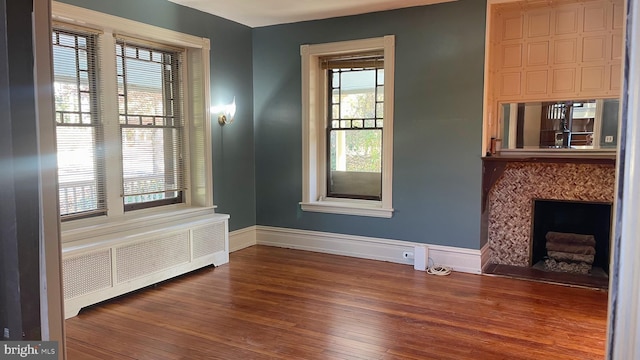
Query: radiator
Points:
[94, 270]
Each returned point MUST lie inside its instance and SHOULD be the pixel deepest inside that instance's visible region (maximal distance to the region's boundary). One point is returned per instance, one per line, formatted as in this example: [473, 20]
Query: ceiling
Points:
[255, 13]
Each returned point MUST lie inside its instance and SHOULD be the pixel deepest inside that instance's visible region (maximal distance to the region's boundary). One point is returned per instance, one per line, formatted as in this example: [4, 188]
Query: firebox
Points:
[571, 236]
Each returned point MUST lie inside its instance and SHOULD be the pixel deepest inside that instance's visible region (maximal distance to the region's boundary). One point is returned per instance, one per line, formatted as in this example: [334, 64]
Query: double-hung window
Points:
[347, 102]
[355, 125]
[79, 135]
[151, 125]
[132, 120]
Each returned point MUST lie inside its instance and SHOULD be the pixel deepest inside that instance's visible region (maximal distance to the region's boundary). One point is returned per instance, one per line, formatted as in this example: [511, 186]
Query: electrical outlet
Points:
[6, 333]
[407, 255]
[608, 139]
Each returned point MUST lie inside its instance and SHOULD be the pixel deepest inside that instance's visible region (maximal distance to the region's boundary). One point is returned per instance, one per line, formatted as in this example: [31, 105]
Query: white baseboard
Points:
[243, 238]
[460, 259]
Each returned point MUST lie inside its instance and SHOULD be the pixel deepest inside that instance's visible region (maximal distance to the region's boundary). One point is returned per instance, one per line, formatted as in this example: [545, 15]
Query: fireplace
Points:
[584, 229]
[513, 245]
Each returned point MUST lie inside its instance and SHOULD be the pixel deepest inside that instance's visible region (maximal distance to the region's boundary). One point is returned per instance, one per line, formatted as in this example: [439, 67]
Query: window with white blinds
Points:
[81, 172]
[114, 157]
[151, 125]
[133, 121]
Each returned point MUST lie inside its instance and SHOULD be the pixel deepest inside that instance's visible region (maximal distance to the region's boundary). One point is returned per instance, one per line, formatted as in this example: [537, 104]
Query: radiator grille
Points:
[208, 240]
[143, 258]
[86, 273]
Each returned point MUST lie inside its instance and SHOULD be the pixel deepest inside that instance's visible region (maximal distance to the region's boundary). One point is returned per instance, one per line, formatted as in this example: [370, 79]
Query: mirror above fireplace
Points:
[562, 125]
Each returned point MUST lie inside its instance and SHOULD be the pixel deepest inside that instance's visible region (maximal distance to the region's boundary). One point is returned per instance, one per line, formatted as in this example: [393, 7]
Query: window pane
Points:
[66, 87]
[380, 110]
[335, 111]
[356, 163]
[357, 98]
[77, 177]
[150, 164]
[144, 88]
[356, 150]
[380, 93]
[67, 40]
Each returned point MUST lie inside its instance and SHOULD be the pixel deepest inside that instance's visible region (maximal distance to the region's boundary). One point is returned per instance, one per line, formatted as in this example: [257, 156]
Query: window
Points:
[354, 127]
[132, 119]
[78, 128]
[150, 102]
[348, 127]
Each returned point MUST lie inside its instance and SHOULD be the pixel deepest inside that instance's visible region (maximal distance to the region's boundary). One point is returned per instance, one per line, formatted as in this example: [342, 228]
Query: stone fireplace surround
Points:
[510, 184]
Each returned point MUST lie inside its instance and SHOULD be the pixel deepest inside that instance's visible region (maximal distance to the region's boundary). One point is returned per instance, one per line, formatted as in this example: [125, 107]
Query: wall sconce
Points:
[226, 113]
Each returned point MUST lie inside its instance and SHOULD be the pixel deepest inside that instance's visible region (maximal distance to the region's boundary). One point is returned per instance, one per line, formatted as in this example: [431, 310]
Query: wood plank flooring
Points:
[271, 303]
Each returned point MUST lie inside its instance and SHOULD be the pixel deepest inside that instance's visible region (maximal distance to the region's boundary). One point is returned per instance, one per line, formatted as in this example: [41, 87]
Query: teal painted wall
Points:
[437, 123]
[438, 116]
[231, 66]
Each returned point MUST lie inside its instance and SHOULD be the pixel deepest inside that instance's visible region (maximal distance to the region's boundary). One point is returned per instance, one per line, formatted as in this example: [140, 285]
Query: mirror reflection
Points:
[568, 124]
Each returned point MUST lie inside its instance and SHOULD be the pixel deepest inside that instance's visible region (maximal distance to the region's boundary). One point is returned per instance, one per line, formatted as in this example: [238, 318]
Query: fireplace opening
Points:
[578, 233]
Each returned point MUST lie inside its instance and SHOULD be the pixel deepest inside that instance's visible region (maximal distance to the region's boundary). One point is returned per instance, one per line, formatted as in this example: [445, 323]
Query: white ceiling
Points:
[256, 13]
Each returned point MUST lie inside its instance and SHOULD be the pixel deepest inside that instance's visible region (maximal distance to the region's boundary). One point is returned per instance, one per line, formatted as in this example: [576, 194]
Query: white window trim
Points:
[314, 111]
[198, 170]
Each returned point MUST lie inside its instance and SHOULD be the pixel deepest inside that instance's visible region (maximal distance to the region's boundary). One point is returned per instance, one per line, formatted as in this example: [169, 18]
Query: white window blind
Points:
[371, 60]
[151, 124]
[79, 132]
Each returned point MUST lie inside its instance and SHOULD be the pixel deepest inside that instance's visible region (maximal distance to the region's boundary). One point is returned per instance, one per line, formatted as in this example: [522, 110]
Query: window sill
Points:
[79, 230]
[373, 209]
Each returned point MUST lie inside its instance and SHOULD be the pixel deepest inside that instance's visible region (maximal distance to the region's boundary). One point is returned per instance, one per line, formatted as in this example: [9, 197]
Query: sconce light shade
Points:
[227, 113]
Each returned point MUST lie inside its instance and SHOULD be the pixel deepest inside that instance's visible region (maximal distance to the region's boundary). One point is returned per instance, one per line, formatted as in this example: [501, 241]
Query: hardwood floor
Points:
[271, 303]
